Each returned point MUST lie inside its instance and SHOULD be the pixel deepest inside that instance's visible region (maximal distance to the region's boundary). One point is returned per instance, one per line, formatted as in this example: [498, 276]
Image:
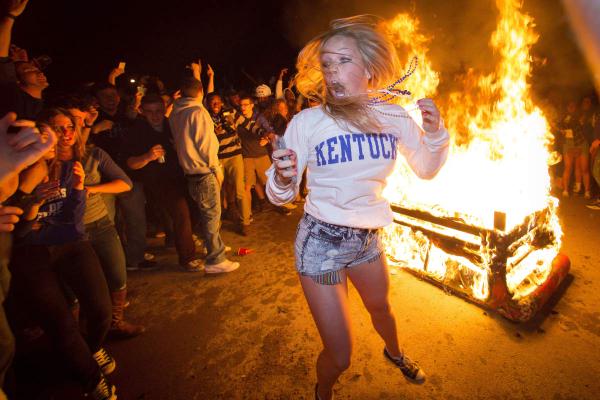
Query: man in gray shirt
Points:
[197, 150]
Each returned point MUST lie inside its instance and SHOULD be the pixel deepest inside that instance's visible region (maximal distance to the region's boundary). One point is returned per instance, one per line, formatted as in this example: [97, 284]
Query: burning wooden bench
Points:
[514, 272]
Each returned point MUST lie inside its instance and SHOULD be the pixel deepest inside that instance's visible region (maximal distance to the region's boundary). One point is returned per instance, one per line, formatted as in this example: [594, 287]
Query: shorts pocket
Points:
[328, 233]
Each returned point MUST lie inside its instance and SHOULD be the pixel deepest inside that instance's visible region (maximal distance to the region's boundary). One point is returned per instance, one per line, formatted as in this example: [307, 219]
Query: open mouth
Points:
[67, 139]
[337, 89]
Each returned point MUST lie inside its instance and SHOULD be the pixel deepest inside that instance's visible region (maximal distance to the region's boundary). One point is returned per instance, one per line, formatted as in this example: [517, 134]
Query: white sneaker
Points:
[587, 195]
[225, 266]
[149, 256]
[194, 266]
[577, 187]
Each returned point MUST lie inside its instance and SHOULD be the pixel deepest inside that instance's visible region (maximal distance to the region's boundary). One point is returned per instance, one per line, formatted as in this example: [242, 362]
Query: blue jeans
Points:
[107, 245]
[133, 213]
[204, 190]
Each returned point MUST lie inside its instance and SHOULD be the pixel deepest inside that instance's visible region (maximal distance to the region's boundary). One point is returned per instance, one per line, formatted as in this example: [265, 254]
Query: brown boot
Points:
[119, 328]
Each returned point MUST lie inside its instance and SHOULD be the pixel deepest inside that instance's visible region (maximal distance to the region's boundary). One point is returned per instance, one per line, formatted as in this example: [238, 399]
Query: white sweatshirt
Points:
[194, 137]
[346, 171]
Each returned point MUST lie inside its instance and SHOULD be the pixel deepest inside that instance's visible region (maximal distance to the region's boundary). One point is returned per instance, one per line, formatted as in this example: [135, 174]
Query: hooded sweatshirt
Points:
[194, 137]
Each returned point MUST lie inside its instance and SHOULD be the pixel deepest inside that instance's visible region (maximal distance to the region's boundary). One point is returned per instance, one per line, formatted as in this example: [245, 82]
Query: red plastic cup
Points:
[242, 251]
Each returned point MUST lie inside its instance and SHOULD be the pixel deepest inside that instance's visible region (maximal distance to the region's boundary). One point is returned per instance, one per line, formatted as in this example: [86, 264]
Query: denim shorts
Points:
[323, 250]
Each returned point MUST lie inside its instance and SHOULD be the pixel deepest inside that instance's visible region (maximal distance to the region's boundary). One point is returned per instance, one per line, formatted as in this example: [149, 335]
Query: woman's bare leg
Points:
[372, 283]
[329, 307]
[568, 169]
[578, 170]
[584, 165]
[260, 190]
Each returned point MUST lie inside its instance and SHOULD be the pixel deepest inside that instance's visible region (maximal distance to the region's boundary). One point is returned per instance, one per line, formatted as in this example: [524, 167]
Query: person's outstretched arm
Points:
[114, 179]
[7, 21]
[279, 84]
[210, 87]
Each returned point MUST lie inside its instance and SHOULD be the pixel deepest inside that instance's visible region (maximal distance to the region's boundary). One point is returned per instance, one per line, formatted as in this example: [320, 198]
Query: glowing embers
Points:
[514, 273]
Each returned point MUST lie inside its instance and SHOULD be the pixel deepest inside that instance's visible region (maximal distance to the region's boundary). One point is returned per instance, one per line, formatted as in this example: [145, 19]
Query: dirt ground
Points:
[249, 334]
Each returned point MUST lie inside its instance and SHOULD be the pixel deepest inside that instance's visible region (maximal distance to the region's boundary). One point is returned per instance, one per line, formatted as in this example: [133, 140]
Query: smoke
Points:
[461, 31]
[306, 19]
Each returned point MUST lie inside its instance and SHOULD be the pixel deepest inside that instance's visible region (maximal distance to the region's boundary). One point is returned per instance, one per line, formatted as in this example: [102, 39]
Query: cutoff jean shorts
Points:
[323, 250]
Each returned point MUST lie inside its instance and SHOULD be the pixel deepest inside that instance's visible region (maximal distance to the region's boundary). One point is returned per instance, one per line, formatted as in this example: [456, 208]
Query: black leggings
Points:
[37, 274]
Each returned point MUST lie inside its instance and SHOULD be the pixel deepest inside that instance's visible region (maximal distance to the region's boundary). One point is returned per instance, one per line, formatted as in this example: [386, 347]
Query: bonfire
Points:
[486, 226]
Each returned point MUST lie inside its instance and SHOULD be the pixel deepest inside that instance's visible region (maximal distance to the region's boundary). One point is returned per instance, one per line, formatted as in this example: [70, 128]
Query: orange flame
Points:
[498, 159]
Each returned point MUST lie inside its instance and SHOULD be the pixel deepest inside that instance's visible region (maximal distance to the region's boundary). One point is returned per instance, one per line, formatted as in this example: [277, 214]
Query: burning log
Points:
[505, 271]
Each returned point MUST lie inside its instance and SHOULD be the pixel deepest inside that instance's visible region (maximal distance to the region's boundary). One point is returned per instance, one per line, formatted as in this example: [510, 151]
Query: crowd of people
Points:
[84, 174]
[577, 134]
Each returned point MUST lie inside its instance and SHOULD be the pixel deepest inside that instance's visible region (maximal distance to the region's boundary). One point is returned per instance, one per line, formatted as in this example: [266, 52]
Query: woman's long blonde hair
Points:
[79, 148]
[379, 57]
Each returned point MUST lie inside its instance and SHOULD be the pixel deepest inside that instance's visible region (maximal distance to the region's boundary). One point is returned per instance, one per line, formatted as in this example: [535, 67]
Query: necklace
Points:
[388, 114]
[391, 91]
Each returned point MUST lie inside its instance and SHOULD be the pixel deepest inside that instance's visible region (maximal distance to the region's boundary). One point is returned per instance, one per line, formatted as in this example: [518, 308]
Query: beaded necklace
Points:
[388, 114]
[389, 92]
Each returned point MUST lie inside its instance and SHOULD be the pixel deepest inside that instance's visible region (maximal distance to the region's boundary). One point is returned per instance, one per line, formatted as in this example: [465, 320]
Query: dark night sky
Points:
[88, 38]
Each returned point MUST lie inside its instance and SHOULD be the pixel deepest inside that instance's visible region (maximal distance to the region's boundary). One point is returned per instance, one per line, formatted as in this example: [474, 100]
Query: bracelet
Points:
[87, 126]
[8, 15]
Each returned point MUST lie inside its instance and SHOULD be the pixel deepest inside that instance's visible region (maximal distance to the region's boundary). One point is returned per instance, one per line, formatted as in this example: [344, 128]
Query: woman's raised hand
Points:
[431, 115]
[78, 176]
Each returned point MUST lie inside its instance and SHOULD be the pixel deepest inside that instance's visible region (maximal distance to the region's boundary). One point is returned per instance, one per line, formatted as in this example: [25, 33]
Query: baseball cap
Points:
[263, 91]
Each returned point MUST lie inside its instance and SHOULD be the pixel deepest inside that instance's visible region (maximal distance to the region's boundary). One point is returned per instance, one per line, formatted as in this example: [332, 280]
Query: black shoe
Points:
[146, 265]
[409, 368]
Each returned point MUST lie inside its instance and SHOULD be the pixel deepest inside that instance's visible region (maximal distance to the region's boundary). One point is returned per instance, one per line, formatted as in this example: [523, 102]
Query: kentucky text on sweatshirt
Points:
[347, 170]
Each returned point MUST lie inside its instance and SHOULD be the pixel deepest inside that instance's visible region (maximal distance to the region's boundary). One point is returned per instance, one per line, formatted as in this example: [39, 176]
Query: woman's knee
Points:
[379, 307]
[341, 360]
